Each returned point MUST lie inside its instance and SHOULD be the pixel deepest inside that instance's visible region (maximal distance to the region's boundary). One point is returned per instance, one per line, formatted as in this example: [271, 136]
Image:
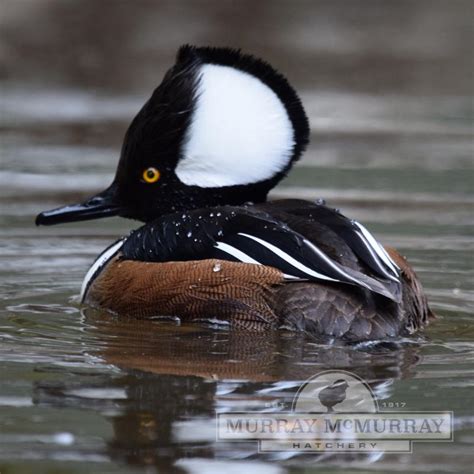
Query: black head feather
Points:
[157, 133]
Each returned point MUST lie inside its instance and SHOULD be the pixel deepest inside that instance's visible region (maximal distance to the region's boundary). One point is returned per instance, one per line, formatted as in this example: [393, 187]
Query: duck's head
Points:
[222, 128]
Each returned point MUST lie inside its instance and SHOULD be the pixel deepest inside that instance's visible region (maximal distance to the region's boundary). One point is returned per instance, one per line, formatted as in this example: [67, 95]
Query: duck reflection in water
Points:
[177, 379]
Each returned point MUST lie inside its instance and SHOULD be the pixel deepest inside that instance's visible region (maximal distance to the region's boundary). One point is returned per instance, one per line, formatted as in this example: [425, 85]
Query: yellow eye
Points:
[151, 175]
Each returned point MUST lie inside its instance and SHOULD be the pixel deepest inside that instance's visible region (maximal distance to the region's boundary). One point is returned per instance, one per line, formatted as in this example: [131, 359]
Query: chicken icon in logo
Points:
[335, 391]
[333, 394]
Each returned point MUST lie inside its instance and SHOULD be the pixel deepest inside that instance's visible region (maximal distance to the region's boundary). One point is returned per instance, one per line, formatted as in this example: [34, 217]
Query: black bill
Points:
[101, 205]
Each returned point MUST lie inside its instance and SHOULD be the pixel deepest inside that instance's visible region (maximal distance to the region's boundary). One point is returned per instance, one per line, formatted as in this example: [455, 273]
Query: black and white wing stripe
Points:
[309, 263]
[359, 239]
[388, 268]
[251, 236]
[297, 258]
[283, 260]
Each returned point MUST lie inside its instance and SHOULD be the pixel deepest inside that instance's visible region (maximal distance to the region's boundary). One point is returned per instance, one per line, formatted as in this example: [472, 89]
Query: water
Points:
[81, 391]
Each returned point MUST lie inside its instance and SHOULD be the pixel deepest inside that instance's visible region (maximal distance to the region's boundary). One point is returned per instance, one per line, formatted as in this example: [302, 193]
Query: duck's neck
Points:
[194, 197]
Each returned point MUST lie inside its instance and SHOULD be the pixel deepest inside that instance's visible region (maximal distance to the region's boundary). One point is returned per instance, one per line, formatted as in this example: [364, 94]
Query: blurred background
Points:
[387, 85]
[117, 46]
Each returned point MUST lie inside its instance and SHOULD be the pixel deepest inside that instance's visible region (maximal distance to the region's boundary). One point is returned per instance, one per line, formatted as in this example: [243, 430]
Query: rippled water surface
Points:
[82, 391]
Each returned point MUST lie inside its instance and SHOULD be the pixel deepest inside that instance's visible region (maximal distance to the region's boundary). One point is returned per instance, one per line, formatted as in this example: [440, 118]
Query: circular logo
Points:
[335, 391]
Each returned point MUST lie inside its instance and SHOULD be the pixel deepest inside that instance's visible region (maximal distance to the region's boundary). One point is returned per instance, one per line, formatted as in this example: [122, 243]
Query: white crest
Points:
[240, 131]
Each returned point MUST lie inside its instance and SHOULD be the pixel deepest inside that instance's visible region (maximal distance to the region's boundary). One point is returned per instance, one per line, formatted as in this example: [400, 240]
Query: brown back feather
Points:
[236, 292]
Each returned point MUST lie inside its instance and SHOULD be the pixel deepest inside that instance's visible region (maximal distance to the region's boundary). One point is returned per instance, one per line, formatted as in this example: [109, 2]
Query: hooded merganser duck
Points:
[196, 165]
